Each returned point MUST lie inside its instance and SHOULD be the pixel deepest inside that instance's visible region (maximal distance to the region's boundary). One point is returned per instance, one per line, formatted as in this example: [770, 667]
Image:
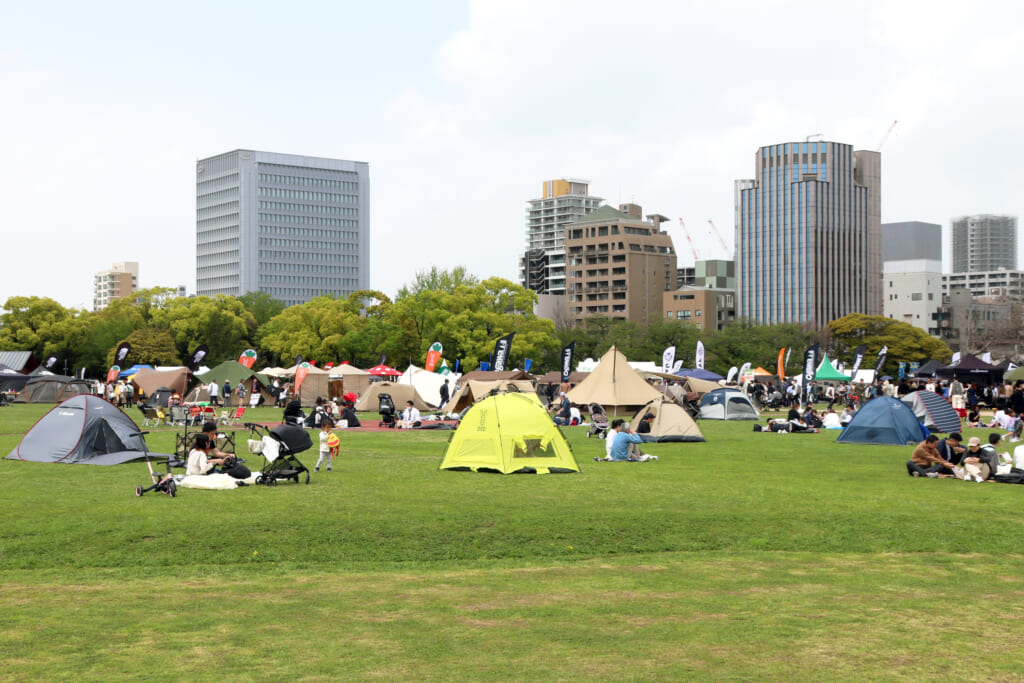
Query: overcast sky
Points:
[462, 109]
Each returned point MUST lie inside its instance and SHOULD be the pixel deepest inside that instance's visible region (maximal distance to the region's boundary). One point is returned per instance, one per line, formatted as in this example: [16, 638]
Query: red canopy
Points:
[384, 371]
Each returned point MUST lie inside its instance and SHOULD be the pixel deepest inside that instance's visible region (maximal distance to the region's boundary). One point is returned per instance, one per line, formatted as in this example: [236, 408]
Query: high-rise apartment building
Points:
[619, 265]
[120, 281]
[912, 273]
[984, 242]
[808, 234]
[542, 267]
[294, 227]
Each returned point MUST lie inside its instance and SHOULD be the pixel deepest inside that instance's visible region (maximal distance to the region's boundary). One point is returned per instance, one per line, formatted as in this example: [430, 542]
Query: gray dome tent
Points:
[83, 429]
[727, 404]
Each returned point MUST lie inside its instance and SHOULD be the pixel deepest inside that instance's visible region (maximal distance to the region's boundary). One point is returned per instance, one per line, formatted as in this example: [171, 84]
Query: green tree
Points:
[29, 322]
[438, 280]
[747, 341]
[904, 341]
[150, 346]
[220, 322]
[262, 306]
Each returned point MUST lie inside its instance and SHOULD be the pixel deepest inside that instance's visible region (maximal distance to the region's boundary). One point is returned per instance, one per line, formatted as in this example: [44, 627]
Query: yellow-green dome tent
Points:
[509, 434]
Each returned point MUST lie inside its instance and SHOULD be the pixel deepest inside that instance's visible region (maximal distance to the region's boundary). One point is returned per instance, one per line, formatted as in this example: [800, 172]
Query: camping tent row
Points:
[46, 388]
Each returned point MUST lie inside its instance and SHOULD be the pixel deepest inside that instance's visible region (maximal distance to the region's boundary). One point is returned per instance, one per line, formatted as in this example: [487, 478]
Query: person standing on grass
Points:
[214, 391]
[926, 461]
[325, 444]
[225, 392]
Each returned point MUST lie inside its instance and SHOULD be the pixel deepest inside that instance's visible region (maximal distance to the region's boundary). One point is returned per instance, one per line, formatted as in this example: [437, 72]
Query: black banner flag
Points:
[567, 354]
[502, 347]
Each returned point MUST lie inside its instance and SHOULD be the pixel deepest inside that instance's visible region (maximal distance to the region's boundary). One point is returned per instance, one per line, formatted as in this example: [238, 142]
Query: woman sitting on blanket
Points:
[198, 460]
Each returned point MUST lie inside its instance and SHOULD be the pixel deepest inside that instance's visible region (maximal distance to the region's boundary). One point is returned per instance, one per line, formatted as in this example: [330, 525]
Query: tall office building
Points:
[984, 242]
[808, 234]
[912, 273]
[542, 267]
[120, 281]
[620, 265]
[294, 227]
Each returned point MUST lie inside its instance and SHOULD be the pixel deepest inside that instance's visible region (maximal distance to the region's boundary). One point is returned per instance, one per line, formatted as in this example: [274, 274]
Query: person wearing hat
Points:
[980, 462]
[926, 461]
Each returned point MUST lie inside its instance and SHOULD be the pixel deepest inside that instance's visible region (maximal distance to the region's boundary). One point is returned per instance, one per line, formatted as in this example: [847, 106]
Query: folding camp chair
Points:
[237, 418]
[195, 415]
[225, 417]
[179, 416]
[150, 416]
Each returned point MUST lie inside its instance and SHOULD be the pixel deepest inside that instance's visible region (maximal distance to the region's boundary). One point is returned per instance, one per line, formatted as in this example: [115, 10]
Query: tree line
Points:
[466, 314]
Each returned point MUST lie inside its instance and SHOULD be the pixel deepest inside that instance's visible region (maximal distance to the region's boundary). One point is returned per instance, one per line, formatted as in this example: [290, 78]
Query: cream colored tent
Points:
[473, 391]
[316, 385]
[352, 378]
[614, 384]
[671, 422]
[400, 393]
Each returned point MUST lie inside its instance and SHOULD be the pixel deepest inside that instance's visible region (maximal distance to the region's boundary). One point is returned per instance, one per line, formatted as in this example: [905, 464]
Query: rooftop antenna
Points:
[819, 136]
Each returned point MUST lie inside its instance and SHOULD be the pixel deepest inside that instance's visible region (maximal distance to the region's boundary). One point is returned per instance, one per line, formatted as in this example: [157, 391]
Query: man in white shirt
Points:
[410, 416]
[214, 391]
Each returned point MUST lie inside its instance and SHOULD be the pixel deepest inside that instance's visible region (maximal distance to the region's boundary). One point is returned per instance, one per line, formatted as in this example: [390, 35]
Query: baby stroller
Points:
[163, 484]
[279, 447]
[386, 408]
[598, 421]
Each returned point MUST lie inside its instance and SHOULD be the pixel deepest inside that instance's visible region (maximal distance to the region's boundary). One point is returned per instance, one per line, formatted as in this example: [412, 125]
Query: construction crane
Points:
[718, 234]
[687, 234]
[885, 137]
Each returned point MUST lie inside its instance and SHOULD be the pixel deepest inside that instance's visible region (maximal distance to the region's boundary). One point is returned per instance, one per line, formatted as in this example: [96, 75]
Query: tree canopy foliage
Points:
[904, 341]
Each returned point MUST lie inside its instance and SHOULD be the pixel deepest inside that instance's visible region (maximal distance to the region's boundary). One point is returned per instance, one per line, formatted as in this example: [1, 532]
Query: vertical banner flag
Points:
[485, 366]
[786, 363]
[987, 357]
[956, 358]
[881, 359]
[677, 366]
[858, 358]
[668, 357]
[298, 361]
[903, 369]
[120, 356]
[502, 347]
[248, 358]
[781, 369]
[698, 361]
[810, 367]
[433, 356]
[51, 362]
[567, 354]
[914, 365]
[732, 373]
[527, 364]
[443, 368]
[383, 359]
[196, 359]
[300, 376]
[744, 370]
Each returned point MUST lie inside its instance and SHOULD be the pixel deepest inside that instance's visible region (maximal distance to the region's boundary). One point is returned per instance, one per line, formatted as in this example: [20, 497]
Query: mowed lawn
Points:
[750, 557]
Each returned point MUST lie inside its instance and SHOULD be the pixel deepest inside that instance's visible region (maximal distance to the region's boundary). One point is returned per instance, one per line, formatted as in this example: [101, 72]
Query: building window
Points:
[916, 296]
[696, 313]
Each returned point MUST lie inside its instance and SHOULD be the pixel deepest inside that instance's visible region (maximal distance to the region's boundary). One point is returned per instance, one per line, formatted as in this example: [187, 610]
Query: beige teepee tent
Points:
[614, 385]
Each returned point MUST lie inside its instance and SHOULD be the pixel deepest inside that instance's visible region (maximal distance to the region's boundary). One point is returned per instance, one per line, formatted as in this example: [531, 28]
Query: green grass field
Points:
[749, 557]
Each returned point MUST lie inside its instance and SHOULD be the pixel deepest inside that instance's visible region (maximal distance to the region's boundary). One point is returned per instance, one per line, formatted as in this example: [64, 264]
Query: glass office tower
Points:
[808, 234]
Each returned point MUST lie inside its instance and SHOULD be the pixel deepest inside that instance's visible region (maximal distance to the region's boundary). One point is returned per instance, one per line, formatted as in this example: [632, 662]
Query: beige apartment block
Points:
[619, 265]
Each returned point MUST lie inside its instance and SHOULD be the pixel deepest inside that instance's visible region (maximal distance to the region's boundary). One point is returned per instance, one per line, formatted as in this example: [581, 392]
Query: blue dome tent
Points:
[884, 420]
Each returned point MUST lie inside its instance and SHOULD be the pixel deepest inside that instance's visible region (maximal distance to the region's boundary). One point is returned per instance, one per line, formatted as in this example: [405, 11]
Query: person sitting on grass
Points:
[830, 420]
[951, 449]
[981, 462]
[645, 424]
[926, 461]
[846, 416]
[974, 417]
[410, 416]
[621, 444]
[199, 460]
